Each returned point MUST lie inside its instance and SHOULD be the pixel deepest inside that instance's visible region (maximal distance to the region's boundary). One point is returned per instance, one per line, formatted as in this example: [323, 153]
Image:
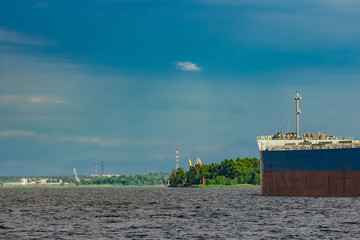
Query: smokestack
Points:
[177, 159]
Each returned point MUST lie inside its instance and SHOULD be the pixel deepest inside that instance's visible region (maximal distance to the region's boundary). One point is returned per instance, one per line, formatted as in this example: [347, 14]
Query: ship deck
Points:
[290, 141]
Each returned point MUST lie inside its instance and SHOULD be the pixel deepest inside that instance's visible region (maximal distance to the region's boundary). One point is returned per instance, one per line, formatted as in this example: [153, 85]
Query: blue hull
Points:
[346, 159]
[318, 173]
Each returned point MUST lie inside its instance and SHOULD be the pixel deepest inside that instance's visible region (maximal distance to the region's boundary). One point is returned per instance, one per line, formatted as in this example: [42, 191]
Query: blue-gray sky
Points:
[128, 81]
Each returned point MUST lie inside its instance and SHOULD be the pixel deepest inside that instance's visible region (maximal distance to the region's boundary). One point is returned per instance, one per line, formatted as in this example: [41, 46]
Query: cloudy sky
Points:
[129, 82]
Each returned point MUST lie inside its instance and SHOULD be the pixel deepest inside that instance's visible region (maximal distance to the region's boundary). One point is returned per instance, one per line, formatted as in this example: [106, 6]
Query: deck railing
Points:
[316, 137]
[309, 147]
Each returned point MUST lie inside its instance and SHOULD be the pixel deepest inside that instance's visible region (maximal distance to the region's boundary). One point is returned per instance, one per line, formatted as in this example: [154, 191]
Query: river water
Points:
[172, 213]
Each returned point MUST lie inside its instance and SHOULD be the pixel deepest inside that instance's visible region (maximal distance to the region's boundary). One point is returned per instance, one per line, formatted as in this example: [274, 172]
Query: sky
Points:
[129, 82]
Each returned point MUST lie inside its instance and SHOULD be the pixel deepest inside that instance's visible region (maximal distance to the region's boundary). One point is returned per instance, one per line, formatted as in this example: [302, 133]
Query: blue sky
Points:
[128, 82]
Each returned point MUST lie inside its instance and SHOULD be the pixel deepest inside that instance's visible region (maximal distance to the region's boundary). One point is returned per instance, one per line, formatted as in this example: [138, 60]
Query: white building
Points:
[24, 181]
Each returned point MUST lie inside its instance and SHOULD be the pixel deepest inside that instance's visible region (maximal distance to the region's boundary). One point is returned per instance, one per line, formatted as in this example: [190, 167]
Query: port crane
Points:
[76, 176]
[198, 161]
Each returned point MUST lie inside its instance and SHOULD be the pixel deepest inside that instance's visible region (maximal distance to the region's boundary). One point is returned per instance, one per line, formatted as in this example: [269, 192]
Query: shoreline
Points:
[223, 186]
[79, 186]
[123, 186]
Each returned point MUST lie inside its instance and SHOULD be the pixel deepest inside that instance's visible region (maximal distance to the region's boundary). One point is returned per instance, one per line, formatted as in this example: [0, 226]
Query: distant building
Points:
[110, 175]
[42, 181]
[24, 181]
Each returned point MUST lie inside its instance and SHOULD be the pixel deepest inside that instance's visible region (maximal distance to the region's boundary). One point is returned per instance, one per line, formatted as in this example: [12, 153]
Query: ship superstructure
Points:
[309, 164]
[291, 141]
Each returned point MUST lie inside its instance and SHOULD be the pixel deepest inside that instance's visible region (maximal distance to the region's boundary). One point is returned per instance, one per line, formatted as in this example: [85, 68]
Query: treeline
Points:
[125, 180]
[228, 172]
[132, 180]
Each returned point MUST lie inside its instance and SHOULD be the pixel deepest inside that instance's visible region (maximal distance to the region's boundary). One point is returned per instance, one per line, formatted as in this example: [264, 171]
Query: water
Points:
[172, 213]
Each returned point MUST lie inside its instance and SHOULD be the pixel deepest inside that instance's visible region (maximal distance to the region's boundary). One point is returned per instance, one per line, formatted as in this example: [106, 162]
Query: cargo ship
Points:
[309, 165]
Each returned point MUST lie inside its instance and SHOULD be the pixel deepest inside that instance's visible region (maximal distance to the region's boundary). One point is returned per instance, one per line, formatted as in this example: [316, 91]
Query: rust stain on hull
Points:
[311, 183]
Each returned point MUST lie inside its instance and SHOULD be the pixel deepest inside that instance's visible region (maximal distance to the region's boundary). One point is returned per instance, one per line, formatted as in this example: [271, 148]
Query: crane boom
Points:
[198, 161]
[76, 176]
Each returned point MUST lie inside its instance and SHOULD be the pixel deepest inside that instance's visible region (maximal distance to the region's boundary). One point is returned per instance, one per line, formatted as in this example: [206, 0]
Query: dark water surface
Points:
[172, 213]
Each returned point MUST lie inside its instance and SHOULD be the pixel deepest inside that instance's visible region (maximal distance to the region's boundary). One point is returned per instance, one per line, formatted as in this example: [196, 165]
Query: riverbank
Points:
[223, 186]
[78, 186]
[120, 186]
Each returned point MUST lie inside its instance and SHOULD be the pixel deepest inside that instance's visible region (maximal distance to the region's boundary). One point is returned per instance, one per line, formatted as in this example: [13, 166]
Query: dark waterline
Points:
[172, 213]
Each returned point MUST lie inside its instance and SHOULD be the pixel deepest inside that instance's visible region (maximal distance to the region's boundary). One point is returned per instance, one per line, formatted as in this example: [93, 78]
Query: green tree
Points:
[177, 178]
[256, 179]
[221, 180]
[240, 171]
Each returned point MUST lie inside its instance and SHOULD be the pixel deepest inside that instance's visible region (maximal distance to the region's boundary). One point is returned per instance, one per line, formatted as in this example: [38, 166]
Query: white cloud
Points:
[11, 99]
[18, 99]
[93, 140]
[12, 37]
[187, 66]
[84, 140]
[16, 133]
[109, 142]
[45, 99]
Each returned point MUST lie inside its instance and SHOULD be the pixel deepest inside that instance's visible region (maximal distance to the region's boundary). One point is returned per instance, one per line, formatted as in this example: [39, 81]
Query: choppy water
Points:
[172, 213]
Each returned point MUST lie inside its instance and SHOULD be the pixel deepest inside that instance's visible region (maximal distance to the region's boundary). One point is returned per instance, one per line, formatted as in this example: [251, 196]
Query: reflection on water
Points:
[170, 213]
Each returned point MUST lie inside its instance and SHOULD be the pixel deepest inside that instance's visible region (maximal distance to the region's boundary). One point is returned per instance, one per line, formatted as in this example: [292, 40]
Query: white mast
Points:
[297, 97]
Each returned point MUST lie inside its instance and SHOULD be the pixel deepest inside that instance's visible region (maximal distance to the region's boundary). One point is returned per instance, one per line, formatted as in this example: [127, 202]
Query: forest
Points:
[228, 172]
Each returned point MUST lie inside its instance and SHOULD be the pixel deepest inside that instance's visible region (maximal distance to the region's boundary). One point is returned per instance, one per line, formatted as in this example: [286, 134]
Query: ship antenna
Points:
[297, 97]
